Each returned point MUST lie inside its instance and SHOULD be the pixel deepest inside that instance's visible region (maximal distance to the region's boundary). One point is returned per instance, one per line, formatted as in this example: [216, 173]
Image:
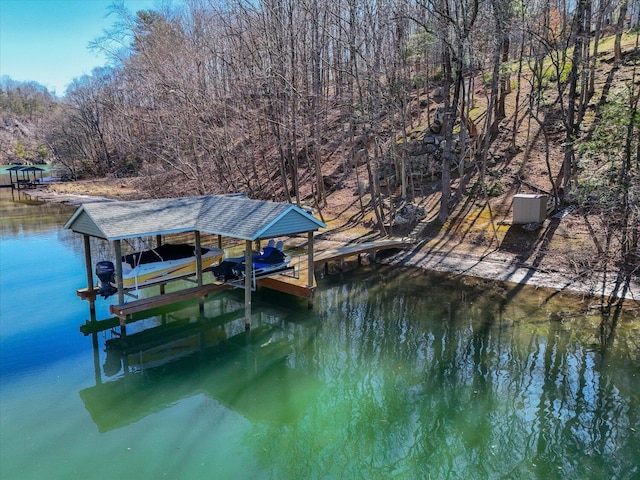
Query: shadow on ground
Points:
[520, 242]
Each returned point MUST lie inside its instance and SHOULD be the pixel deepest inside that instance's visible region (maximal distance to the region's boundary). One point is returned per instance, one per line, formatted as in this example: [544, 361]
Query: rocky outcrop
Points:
[408, 215]
[423, 150]
[18, 140]
[15, 127]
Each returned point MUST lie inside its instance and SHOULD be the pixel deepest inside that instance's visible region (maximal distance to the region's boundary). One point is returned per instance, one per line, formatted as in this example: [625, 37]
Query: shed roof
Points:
[228, 215]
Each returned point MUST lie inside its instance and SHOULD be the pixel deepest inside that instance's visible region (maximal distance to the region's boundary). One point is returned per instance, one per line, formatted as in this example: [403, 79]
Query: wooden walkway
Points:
[300, 285]
[353, 249]
[124, 310]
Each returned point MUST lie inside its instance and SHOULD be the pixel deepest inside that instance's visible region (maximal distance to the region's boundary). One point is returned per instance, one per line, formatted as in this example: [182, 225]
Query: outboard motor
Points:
[105, 271]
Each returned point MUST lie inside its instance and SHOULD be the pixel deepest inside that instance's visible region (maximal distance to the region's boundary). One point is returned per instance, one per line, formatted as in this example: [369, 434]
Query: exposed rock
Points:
[16, 127]
[532, 227]
[400, 220]
[414, 149]
[363, 187]
[431, 148]
[359, 158]
[409, 213]
[13, 132]
[331, 181]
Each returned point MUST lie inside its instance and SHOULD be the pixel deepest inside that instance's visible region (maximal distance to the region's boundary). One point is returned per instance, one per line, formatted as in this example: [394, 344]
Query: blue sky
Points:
[47, 40]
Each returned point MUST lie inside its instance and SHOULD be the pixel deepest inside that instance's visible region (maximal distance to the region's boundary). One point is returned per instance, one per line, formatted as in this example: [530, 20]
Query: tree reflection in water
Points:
[427, 377]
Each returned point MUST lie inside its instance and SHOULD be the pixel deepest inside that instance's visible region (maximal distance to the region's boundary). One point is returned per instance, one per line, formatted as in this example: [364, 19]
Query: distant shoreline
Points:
[69, 199]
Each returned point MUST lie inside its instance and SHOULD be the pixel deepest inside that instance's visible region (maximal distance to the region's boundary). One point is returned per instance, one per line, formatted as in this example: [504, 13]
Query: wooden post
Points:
[117, 246]
[248, 270]
[310, 266]
[199, 269]
[311, 279]
[220, 241]
[198, 258]
[158, 244]
[89, 273]
[87, 262]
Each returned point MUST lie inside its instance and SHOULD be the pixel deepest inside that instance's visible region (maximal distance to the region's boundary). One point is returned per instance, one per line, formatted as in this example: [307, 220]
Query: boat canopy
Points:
[232, 216]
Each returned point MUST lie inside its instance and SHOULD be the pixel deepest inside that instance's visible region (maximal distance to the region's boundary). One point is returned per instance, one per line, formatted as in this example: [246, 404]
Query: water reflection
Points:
[426, 377]
[253, 373]
[18, 215]
[399, 374]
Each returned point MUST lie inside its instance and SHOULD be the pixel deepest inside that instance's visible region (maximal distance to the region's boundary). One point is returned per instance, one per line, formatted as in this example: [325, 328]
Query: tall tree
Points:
[456, 19]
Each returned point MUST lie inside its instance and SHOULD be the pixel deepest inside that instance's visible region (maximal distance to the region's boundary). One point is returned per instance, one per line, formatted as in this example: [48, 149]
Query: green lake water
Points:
[396, 373]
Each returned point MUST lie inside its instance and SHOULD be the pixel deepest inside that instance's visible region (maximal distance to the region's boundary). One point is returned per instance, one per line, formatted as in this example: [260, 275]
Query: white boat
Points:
[157, 265]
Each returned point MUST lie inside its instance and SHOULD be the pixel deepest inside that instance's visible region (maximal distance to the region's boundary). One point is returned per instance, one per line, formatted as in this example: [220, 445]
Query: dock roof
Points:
[23, 168]
[228, 215]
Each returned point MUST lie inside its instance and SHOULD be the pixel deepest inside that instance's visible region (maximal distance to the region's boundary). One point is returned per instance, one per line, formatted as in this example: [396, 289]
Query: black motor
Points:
[105, 271]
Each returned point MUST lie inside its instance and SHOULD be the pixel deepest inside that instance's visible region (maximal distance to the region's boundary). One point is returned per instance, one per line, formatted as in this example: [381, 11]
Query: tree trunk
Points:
[617, 44]
[573, 97]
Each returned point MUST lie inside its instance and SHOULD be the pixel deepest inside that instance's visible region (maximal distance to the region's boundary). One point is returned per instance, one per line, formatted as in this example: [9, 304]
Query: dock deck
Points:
[352, 249]
[126, 309]
[298, 284]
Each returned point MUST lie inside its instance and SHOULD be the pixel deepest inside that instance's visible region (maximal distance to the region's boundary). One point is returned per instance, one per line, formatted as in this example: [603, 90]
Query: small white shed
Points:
[529, 207]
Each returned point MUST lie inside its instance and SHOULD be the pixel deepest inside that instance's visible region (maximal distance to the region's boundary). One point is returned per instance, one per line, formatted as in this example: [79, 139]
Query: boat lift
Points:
[288, 271]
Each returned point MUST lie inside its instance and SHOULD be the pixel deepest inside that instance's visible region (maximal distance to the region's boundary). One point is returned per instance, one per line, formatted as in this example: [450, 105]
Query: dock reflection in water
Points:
[252, 373]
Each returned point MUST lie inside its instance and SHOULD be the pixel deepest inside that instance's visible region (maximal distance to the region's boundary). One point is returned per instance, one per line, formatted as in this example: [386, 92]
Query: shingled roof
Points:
[227, 215]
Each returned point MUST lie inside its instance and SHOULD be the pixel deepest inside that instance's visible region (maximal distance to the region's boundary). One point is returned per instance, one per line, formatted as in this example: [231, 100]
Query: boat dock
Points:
[119, 221]
[295, 282]
[292, 284]
[26, 177]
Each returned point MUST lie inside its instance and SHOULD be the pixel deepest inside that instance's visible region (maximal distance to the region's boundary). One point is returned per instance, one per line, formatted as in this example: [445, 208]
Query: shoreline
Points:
[492, 265]
[68, 199]
[502, 268]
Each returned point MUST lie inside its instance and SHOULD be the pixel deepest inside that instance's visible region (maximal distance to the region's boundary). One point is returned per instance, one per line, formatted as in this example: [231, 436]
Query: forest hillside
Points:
[409, 118]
